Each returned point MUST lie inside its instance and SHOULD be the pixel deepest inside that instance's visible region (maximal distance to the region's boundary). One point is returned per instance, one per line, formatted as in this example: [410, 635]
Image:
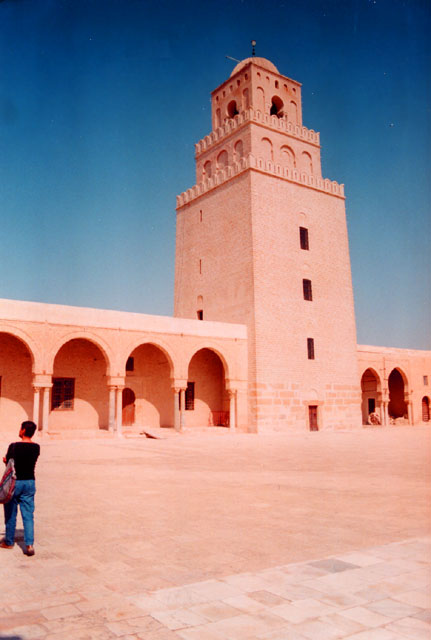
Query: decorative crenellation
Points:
[265, 166]
[254, 115]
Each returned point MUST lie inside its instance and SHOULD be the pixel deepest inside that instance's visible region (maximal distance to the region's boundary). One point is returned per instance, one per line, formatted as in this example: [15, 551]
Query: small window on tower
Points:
[425, 381]
[310, 348]
[303, 238]
[130, 364]
[200, 314]
[190, 396]
[306, 285]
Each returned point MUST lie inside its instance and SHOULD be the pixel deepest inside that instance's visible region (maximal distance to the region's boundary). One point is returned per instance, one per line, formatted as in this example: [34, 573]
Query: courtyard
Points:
[216, 536]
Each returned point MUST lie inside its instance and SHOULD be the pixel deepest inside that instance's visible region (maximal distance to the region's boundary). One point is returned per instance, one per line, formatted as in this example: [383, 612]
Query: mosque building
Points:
[263, 336]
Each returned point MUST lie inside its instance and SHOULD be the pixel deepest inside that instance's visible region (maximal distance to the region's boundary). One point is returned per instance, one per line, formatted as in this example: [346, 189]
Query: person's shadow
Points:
[19, 540]
[11, 638]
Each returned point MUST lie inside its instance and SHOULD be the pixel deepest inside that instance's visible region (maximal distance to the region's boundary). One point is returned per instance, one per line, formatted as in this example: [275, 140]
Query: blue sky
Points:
[101, 102]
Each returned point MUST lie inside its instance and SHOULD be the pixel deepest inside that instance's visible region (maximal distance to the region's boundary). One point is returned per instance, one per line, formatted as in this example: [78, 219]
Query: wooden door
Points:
[312, 413]
[128, 407]
[425, 409]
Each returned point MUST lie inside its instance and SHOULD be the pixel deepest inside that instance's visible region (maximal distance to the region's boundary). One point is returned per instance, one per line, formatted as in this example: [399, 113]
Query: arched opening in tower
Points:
[232, 110]
[276, 107]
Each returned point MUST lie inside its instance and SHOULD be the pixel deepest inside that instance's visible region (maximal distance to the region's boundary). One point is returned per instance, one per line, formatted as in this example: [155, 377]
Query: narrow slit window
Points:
[303, 238]
[63, 393]
[310, 348]
[306, 286]
[190, 396]
[200, 266]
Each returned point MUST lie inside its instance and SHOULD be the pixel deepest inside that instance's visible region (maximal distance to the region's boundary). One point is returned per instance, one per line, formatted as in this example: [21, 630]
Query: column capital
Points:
[116, 387]
[116, 381]
[179, 383]
[236, 385]
[179, 389]
[42, 380]
[41, 387]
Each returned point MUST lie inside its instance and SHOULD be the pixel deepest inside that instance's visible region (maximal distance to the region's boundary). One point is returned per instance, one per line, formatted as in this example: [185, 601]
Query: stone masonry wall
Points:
[284, 320]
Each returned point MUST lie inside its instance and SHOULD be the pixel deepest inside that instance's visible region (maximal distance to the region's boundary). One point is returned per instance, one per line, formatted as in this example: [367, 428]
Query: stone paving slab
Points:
[263, 615]
[312, 536]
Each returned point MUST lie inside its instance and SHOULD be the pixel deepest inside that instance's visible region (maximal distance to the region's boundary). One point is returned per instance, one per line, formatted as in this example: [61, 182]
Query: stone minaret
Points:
[262, 240]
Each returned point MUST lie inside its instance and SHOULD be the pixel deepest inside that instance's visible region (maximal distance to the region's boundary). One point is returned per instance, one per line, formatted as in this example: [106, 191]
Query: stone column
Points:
[177, 412]
[111, 419]
[409, 408]
[45, 409]
[182, 401]
[36, 404]
[232, 410]
[119, 416]
[385, 413]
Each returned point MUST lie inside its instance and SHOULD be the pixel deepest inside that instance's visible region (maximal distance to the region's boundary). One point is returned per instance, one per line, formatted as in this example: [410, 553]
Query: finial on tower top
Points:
[253, 44]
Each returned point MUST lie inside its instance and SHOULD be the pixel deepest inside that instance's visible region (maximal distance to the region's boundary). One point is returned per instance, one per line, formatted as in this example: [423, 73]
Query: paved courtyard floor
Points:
[227, 537]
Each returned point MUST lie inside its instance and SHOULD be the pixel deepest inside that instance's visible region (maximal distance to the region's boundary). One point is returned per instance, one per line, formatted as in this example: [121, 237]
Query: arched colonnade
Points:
[84, 380]
[388, 399]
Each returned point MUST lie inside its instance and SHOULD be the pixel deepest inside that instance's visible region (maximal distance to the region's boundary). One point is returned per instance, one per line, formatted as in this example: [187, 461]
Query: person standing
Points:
[25, 455]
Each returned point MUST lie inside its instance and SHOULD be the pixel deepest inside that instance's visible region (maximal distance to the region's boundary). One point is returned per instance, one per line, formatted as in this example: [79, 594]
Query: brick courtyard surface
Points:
[227, 537]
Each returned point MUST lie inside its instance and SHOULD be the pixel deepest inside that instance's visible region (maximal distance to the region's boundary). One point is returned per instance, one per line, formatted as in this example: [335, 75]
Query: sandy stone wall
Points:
[284, 319]
[214, 261]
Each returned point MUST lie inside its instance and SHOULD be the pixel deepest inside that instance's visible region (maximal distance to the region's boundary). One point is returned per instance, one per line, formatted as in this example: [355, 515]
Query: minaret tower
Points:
[262, 240]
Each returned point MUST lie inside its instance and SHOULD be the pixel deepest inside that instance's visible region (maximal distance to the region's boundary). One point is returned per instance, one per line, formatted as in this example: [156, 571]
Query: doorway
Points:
[425, 409]
[312, 418]
[128, 416]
